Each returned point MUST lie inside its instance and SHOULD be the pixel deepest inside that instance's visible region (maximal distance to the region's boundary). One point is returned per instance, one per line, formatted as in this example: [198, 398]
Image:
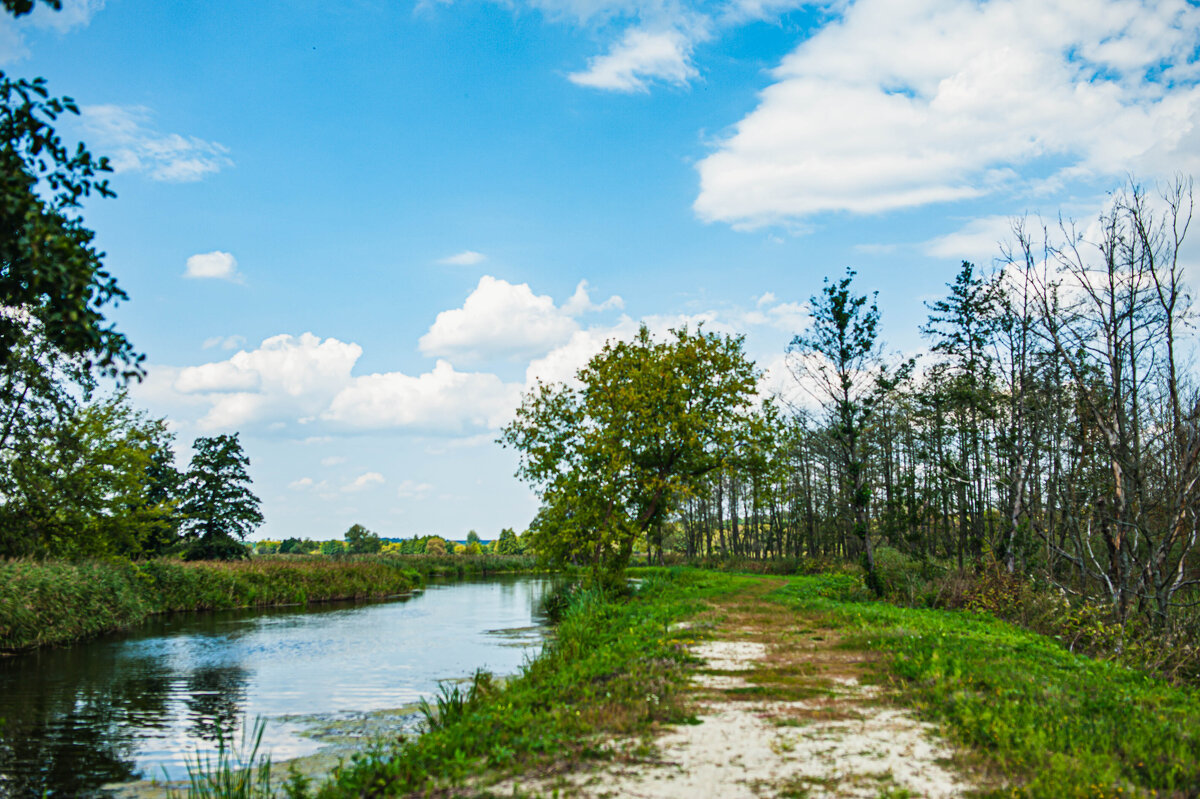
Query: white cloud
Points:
[441, 401]
[464, 258]
[414, 490]
[224, 342]
[639, 57]
[215, 264]
[301, 484]
[498, 320]
[895, 105]
[581, 302]
[364, 481]
[73, 14]
[124, 134]
[285, 378]
[978, 240]
[333, 460]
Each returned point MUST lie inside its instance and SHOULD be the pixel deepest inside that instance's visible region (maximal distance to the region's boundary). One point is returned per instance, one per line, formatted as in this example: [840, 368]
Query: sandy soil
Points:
[782, 711]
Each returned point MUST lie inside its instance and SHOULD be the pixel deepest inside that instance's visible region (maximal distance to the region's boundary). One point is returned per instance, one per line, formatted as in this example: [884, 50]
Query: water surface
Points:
[138, 704]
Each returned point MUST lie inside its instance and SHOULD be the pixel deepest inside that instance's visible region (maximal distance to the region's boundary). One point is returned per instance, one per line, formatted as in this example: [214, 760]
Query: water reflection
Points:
[137, 704]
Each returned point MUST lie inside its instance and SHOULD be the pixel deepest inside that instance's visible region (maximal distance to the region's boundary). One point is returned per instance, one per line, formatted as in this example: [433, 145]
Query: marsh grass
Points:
[234, 773]
[48, 602]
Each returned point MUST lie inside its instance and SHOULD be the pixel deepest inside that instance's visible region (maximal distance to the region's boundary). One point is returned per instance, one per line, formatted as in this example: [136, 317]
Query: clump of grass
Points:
[451, 703]
[241, 773]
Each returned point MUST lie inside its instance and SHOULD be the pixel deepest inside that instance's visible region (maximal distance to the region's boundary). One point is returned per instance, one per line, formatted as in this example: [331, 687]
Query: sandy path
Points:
[781, 711]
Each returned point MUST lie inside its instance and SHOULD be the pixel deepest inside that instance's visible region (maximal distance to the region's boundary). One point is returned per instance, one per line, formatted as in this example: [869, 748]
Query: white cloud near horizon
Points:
[464, 258]
[504, 320]
[639, 57]
[896, 105]
[126, 136]
[213, 265]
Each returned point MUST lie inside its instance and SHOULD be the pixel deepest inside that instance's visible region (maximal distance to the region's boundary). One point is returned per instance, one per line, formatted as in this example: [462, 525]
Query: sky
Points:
[355, 231]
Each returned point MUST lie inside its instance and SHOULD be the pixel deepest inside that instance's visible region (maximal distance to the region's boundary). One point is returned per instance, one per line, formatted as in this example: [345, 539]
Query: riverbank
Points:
[59, 602]
[969, 704]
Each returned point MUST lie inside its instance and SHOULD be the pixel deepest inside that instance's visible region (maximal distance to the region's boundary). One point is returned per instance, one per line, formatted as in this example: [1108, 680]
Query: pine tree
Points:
[218, 506]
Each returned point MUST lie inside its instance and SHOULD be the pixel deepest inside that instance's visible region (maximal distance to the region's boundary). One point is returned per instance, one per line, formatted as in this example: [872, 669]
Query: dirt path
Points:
[782, 710]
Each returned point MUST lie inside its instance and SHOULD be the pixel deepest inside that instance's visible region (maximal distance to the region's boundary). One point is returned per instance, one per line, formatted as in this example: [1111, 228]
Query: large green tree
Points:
[94, 478]
[219, 509]
[614, 456]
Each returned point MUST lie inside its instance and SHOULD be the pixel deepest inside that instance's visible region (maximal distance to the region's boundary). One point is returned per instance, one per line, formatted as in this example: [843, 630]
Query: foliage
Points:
[49, 270]
[333, 548]
[615, 457]
[435, 546]
[57, 602]
[218, 507]
[89, 479]
[361, 541]
[508, 543]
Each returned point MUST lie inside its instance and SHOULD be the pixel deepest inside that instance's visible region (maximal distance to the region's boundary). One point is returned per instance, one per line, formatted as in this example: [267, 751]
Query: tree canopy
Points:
[615, 455]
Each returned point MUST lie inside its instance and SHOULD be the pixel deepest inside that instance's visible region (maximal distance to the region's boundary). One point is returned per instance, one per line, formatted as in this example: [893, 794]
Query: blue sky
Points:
[356, 231]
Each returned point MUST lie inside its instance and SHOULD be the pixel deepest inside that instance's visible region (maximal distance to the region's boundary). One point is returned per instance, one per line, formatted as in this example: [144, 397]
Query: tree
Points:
[472, 537]
[615, 457]
[94, 481]
[435, 546]
[218, 507]
[49, 269]
[508, 543]
[840, 359]
[361, 541]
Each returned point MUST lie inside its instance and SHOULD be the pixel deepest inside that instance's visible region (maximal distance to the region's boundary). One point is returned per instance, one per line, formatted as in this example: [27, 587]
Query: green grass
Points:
[1046, 722]
[612, 668]
[48, 602]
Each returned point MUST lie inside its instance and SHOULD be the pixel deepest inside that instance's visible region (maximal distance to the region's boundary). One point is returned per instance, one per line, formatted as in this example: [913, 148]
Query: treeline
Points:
[84, 475]
[1052, 428]
[358, 540]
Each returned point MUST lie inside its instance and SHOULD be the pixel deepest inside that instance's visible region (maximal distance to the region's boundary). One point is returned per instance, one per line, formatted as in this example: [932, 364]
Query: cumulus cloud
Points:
[213, 265]
[581, 301]
[333, 460]
[639, 57]
[443, 400]
[126, 135]
[364, 481]
[464, 258]
[895, 105]
[498, 320]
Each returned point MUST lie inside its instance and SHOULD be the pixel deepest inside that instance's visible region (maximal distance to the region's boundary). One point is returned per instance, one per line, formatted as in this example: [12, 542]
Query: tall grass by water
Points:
[47, 602]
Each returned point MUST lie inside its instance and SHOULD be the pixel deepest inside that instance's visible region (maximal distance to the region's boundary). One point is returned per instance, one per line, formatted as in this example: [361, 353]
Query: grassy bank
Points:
[613, 668]
[1041, 721]
[1035, 719]
[50, 602]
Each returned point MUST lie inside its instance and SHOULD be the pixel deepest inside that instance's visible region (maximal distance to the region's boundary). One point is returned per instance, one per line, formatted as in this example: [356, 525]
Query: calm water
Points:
[136, 704]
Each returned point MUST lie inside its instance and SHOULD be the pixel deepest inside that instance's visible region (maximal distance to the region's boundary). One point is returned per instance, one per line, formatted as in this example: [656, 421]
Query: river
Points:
[140, 704]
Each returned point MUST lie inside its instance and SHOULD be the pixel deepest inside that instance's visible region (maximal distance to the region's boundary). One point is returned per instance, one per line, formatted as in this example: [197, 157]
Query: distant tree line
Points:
[358, 540]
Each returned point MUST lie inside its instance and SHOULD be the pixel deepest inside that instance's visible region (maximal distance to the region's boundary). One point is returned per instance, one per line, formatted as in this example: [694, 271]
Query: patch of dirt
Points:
[780, 711]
